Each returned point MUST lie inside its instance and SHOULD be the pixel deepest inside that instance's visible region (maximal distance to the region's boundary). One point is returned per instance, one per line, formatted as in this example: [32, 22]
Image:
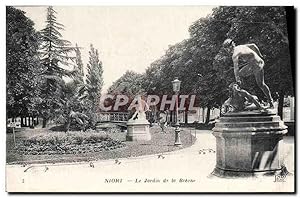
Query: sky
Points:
[127, 38]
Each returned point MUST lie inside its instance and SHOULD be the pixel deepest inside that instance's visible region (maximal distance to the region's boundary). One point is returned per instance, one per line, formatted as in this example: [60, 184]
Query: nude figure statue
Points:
[247, 60]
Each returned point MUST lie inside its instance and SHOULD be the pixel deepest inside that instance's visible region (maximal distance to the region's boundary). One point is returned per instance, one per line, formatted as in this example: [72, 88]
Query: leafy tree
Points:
[74, 98]
[206, 69]
[130, 83]
[206, 36]
[79, 100]
[174, 63]
[54, 55]
[94, 77]
[153, 77]
[79, 66]
[94, 83]
[74, 106]
[22, 64]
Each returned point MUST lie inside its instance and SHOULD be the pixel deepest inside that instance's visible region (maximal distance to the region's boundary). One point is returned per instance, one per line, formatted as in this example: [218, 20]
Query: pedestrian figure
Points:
[163, 121]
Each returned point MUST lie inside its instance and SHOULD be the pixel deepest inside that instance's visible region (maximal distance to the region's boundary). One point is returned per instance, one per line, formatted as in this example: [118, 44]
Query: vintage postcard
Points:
[131, 99]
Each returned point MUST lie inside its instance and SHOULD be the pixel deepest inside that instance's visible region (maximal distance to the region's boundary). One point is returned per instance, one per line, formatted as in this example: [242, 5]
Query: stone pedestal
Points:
[138, 130]
[249, 144]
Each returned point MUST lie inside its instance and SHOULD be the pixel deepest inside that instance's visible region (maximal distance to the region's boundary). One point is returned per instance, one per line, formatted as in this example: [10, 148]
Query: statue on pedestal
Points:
[247, 60]
[248, 135]
[140, 110]
[138, 125]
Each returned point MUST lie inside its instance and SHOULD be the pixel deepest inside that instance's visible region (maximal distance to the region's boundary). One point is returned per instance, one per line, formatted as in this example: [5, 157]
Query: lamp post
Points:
[176, 88]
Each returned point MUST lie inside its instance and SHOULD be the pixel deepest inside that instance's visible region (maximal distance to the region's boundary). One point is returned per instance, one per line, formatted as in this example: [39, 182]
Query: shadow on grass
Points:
[57, 128]
[61, 128]
[203, 126]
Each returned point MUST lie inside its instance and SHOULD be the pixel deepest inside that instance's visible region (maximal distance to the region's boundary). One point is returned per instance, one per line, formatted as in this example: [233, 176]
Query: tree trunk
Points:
[207, 115]
[44, 122]
[155, 115]
[67, 125]
[280, 104]
[186, 117]
[203, 114]
[32, 122]
[22, 124]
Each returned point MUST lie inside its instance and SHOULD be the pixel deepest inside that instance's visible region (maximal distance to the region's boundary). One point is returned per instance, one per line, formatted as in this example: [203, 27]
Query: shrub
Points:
[70, 142]
[113, 129]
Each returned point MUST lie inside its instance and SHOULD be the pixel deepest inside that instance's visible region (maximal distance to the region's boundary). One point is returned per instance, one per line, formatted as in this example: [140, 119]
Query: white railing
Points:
[112, 116]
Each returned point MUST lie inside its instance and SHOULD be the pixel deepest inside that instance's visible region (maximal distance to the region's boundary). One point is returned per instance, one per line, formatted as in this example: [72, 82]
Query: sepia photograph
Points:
[150, 99]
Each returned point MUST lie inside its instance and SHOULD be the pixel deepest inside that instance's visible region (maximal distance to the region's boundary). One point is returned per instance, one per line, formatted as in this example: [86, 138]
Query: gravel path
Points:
[183, 170]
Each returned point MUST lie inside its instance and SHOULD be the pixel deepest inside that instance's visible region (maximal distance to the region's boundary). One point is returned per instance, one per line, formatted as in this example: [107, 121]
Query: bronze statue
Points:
[247, 60]
[239, 100]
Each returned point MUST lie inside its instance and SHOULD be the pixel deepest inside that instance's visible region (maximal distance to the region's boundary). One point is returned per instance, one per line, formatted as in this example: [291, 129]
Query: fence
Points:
[112, 117]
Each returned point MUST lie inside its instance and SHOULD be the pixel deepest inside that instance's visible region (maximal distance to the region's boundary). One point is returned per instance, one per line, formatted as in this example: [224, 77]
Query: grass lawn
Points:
[160, 143]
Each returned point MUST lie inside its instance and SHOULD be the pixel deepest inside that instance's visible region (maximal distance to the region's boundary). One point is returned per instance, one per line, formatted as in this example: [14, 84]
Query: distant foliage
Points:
[130, 83]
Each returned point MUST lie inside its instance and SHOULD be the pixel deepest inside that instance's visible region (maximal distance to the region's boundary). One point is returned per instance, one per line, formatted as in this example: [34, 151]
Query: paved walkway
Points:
[180, 171]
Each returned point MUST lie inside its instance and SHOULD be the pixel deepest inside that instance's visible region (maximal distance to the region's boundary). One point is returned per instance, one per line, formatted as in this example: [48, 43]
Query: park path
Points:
[183, 170]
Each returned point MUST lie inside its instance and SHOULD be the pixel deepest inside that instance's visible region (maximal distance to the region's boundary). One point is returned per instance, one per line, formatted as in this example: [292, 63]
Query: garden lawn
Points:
[160, 143]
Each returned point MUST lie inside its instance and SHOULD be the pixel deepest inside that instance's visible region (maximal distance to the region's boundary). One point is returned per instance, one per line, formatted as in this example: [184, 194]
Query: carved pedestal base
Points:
[138, 130]
[249, 144]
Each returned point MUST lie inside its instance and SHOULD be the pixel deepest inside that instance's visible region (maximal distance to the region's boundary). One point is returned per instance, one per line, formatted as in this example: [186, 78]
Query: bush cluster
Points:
[68, 143]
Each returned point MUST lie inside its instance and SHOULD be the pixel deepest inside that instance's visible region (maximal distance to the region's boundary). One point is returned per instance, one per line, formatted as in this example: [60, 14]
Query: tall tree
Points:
[55, 55]
[79, 66]
[22, 63]
[130, 83]
[206, 36]
[158, 77]
[94, 78]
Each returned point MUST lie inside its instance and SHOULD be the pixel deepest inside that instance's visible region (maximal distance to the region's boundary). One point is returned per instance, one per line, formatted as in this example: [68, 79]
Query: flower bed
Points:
[88, 148]
[67, 143]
